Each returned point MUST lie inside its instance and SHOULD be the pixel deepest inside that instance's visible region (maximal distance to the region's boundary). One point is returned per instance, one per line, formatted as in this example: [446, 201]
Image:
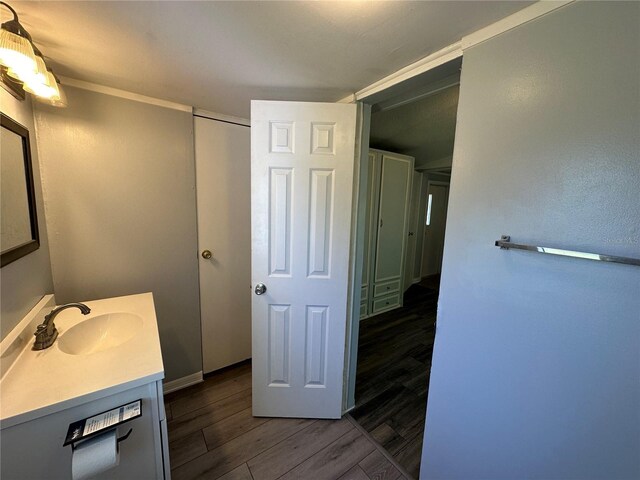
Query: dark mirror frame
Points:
[20, 251]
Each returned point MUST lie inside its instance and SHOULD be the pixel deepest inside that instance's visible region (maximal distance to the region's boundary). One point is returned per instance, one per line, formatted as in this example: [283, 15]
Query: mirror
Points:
[18, 221]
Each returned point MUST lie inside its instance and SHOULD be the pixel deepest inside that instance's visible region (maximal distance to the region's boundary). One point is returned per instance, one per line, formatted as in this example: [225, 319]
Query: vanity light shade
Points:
[16, 52]
[47, 90]
[59, 100]
[29, 76]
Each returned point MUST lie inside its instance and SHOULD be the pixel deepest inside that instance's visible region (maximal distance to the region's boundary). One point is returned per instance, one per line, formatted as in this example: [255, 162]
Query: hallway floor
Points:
[394, 361]
[212, 435]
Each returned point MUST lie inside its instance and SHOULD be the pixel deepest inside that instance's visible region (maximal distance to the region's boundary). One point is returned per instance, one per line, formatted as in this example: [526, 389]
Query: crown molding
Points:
[199, 112]
[456, 49]
[425, 64]
[115, 92]
[525, 15]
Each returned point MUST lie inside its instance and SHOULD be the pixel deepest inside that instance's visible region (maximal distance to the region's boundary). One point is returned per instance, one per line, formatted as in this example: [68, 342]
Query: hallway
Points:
[394, 360]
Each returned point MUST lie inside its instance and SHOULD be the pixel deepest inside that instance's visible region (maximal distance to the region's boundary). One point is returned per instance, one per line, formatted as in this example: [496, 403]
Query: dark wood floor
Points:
[212, 434]
[394, 361]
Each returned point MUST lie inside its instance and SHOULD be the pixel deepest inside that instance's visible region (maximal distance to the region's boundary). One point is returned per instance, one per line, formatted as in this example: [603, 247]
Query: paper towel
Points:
[95, 455]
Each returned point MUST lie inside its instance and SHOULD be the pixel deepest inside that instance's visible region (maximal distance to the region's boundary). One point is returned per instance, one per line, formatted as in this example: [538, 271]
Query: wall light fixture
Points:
[21, 60]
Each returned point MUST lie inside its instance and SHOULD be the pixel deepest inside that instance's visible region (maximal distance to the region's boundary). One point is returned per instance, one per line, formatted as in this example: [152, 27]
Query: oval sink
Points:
[100, 333]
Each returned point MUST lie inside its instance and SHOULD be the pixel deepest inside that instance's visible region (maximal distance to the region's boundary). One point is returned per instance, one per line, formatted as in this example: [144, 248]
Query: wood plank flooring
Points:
[213, 435]
[394, 361]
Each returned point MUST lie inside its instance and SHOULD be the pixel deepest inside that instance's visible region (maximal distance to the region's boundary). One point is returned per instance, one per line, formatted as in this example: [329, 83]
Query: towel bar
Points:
[505, 244]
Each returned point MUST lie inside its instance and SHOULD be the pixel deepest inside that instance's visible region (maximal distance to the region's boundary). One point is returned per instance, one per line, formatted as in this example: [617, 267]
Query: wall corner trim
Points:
[525, 15]
[115, 92]
[183, 382]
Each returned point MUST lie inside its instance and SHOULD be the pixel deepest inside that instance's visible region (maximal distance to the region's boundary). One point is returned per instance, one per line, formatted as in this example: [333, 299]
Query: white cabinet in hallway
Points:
[390, 177]
[223, 180]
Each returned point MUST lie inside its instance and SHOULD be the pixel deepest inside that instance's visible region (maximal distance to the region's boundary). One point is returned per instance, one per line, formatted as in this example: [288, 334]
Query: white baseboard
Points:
[183, 382]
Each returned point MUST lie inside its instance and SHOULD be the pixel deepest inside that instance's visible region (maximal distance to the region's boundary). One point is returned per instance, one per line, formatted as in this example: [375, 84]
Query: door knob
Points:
[206, 254]
[411, 234]
[260, 288]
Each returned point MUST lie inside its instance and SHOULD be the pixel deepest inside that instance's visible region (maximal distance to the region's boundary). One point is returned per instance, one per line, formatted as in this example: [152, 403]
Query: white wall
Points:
[24, 282]
[536, 364]
[119, 187]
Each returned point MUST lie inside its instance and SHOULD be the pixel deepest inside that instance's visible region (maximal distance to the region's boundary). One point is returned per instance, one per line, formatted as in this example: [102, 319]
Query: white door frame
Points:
[361, 175]
[359, 216]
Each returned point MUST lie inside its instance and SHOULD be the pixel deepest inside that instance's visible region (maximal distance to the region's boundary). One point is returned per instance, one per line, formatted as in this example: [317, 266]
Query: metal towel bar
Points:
[505, 244]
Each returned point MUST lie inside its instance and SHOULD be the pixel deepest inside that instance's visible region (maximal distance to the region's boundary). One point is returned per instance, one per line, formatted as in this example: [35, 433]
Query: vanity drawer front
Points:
[364, 293]
[386, 288]
[363, 309]
[386, 303]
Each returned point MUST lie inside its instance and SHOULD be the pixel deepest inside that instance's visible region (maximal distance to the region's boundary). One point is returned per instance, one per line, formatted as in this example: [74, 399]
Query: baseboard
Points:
[183, 382]
[416, 280]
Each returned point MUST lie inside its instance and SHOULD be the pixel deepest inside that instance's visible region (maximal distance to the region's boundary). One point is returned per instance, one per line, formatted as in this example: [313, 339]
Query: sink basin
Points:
[99, 333]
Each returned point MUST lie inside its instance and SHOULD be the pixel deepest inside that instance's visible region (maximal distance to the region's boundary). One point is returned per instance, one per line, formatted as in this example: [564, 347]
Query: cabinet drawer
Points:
[386, 303]
[363, 310]
[386, 288]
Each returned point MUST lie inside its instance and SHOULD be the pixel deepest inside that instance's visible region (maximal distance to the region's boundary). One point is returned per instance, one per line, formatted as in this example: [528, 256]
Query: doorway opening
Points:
[409, 169]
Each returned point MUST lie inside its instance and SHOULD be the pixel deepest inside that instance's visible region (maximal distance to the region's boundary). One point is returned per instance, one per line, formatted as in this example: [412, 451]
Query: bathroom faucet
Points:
[46, 333]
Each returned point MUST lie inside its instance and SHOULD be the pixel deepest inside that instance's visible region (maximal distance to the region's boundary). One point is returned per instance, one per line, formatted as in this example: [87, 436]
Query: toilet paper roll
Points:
[95, 455]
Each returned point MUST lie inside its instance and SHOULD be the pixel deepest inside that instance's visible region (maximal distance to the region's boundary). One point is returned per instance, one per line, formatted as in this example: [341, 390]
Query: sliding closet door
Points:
[392, 231]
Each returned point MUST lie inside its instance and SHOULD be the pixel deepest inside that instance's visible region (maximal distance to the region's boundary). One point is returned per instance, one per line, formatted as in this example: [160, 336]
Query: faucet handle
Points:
[44, 339]
[40, 329]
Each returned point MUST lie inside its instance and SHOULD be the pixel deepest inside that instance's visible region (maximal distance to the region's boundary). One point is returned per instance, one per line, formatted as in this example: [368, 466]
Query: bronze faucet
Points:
[46, 333]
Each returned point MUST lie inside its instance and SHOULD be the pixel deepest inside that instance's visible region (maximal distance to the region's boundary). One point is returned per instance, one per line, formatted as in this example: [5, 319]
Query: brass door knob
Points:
[206, 254]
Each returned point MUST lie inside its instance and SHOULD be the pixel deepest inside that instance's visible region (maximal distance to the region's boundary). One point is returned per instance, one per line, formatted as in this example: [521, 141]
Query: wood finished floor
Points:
[394, 361]
[212, 435]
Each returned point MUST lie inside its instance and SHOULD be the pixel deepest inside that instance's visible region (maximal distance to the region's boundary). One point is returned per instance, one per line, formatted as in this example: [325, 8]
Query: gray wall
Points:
[119, 182]
[24, 282]
[537, 358]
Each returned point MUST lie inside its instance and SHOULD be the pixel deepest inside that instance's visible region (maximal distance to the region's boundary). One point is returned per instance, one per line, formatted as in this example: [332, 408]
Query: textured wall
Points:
[24, 282]
[119, 182]
[537, 358]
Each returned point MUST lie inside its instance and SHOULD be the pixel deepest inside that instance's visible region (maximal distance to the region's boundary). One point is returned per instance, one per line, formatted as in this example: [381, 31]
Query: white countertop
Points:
[46, 381]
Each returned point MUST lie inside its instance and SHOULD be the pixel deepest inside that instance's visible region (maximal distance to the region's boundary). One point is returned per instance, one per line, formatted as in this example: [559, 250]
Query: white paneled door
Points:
[302, 167]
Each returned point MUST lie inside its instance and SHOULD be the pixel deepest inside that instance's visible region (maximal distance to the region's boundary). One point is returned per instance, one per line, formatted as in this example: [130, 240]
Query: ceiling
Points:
[220, 55]
[423, 129]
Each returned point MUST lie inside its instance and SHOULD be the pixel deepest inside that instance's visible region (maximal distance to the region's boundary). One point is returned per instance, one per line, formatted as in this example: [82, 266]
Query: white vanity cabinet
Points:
[100, 361]
[33, 449]
[389, 193]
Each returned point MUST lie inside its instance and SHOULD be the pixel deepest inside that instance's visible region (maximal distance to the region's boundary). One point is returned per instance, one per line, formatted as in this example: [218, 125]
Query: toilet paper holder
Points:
[118, 440]
[102, 423]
